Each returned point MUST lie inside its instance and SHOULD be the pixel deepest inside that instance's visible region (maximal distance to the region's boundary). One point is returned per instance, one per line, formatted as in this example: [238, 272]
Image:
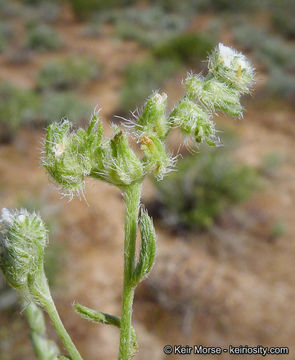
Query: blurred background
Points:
[224, 272]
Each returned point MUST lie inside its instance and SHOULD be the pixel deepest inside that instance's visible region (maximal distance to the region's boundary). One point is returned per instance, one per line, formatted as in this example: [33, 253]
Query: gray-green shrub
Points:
[67, 73]
[141, 78]
[17, 107]
[56, 106]
[186, 48]
[205, 185]
[43, 38]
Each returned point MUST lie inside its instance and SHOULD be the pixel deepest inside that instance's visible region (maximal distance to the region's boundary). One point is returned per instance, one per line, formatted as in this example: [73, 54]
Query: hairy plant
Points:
[69, 156]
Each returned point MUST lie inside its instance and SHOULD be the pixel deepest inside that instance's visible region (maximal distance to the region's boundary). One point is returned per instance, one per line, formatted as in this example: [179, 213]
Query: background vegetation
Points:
[225, 267]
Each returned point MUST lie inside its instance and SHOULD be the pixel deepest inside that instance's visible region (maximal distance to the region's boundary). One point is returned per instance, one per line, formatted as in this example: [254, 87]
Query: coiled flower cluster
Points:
[230, 76]
[23, 238]
[71, 156]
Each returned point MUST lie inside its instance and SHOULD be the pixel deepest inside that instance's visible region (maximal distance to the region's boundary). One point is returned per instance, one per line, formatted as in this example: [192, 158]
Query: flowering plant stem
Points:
[70, 156]
[61, 331]
[132, 200]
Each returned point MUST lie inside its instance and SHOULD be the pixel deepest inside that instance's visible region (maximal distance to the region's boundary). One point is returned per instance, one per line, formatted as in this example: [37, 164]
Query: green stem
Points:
[61, 331]
[40, 290]
[132, 201]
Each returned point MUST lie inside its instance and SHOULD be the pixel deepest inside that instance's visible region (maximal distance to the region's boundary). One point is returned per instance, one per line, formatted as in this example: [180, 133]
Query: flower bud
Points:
[156, 160]
[214, 95]
[194, 86]
[193, 120]
[232, 67]
[23, 238]
[62, 159]
[153, 119]
[122, 166]
[218, 96]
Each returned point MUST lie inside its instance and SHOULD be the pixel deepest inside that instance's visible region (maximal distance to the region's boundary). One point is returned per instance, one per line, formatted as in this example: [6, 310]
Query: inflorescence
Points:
[70, 156]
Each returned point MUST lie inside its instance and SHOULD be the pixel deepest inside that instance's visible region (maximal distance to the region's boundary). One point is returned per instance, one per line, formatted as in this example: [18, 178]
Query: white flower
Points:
[231, 67]
[231, 57]
[226, 54]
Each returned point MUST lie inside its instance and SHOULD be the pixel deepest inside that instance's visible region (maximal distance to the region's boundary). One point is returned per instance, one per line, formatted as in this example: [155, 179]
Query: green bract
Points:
[156, 159]
[214, 95]
[153, 120]
[23, 238]
[195, 121]
[61, 160]
[123, 166]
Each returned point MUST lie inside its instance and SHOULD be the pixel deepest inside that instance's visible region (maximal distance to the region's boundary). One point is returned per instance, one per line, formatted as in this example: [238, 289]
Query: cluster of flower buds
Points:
[70, 156]
[23, 238]
[151, 129]
[230, 76]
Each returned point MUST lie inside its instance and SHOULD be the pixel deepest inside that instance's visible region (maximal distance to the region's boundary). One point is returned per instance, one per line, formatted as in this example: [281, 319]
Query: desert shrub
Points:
[270, 163]
[37, 2]
[269, 49]
[6, 34]
[23, 107]
[67, 73]
[281, 83]
[177, 6]
[49, 11]
[17, 107]
[278, 229]
[92, 30]
[249, 36]
[148, 26]
[205, 185]
[283, 18]
[56, 106]
[275, 51]
[84, 9]
[19, 56]
[43, 38]
[8, 9]
[229, 5]
[186, 48]
[141, 78]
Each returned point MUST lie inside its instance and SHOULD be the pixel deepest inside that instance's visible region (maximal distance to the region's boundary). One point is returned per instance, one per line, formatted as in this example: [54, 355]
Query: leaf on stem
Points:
[97, 316]
[148, 248]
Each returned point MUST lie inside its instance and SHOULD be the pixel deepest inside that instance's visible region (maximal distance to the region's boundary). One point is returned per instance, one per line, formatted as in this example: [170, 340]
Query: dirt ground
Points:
[234, 285]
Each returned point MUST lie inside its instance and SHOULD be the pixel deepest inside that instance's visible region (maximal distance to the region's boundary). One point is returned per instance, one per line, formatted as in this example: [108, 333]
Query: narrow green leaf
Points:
[97, 316]
[148, 248]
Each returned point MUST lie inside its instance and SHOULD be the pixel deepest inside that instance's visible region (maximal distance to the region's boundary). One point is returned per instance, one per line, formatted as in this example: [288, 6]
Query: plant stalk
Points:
[61, 331]
[132, 201]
